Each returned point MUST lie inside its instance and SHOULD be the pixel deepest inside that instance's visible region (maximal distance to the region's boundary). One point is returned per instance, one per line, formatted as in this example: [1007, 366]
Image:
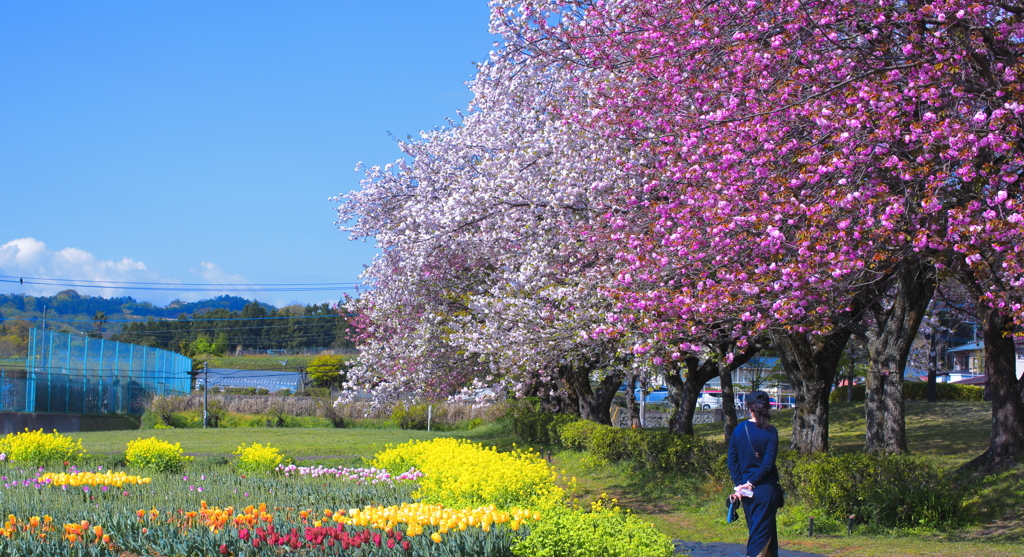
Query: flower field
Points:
[439, 497]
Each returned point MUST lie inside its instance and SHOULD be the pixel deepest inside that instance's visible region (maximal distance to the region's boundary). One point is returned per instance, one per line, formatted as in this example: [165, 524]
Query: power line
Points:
[194, 319]
[182, 287]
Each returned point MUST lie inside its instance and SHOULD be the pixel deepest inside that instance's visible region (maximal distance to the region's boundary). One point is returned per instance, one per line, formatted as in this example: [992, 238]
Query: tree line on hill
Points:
[71, 303]
[219, 331]
[214, 326]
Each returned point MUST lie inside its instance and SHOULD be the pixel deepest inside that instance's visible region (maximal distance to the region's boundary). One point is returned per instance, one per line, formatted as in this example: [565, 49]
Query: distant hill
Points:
[219, 324]
[69, 304]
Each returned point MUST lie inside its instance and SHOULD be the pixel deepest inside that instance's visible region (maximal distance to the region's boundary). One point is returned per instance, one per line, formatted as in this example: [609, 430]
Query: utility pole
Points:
[206, 395]
[44, 317]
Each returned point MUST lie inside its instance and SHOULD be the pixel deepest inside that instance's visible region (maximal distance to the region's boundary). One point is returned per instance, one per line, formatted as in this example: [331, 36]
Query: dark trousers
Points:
[760, 510]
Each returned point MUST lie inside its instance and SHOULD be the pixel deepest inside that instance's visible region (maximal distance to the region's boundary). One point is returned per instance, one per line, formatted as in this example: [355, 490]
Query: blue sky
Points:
[198, 142]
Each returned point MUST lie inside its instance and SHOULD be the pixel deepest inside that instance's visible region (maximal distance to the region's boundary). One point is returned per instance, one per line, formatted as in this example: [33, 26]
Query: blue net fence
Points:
[76, 374]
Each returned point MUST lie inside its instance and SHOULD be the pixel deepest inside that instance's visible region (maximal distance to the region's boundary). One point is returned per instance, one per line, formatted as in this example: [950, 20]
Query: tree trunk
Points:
[1005, 389]
[631, 406]
[593, 405]
[728, 400]
[933, 390]
[810, 362]
[684, 390]
[888, 343]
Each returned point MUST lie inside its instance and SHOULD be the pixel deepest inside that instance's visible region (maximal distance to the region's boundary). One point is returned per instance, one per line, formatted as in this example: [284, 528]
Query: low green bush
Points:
[889, 491]
[531, 425]
[415, 416]
[187, 419]
[916, 390]
[150, 420]
[306, 421]
[605, 531]
[653, 450]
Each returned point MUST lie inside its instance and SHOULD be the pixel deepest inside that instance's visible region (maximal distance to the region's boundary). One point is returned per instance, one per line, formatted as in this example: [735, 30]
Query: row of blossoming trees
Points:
[668, 187]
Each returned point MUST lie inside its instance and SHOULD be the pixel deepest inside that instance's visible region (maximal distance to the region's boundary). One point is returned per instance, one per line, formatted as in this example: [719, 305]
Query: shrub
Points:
[325, 370]
[150, 420]
[38, 448]
[531, 425]
[606, 530]
[919, 391]
[187, 419]
[415, 416]
[459, 473]
[257, 458]
[164, 408]
[646, 449]
[883, 490]
[154, 454]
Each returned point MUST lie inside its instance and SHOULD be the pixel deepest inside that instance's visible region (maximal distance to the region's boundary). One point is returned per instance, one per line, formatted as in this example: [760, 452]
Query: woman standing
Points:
[752, 450]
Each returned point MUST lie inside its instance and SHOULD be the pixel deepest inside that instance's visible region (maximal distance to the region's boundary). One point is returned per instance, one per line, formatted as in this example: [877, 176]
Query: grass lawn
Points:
[953, 432]
[302, 443]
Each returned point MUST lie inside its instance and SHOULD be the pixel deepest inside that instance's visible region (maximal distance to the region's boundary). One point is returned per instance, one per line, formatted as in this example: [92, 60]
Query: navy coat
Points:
[754, 461]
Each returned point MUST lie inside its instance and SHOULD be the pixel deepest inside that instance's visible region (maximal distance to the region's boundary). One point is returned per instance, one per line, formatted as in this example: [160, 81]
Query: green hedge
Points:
[531, 425]
[647, 449]
[883, 490]
[919, 391]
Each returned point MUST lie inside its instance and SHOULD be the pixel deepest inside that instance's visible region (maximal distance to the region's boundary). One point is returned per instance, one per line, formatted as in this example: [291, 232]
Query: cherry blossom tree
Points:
[486, 276]
[815, 162]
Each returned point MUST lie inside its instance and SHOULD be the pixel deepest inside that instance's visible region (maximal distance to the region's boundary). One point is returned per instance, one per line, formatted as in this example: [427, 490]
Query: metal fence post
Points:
[117, 373]
[85, 379]
[30, 390]
[131, 362]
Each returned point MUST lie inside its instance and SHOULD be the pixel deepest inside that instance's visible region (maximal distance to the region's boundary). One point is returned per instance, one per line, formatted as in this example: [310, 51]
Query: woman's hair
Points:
[761, 413]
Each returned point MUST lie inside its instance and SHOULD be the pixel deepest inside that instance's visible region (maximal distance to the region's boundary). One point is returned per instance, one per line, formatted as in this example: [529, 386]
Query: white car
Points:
[709, 401]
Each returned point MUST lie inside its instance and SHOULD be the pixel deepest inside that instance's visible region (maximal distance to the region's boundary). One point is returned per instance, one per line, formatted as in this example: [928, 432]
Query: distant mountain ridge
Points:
[70, 303]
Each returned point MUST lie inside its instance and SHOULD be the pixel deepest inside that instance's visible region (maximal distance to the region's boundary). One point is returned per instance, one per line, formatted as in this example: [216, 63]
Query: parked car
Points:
[784, 402]
[709, 400]
[657, 395]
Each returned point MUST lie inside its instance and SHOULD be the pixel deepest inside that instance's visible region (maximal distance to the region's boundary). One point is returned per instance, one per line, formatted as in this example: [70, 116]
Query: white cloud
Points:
[215, 275]
[30, 258]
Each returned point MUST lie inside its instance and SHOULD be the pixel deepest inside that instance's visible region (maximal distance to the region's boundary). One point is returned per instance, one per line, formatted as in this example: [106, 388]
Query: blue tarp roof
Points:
[258, 379]
[968, 347]
[762, 363]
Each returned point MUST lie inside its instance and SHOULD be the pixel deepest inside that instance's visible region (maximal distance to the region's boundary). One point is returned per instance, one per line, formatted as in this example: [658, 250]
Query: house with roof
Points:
[968, 364]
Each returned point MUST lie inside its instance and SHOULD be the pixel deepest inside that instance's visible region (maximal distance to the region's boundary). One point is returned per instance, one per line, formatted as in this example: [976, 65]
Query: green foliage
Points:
[150, 420]
[652, 450]
[325, 370]
[156, 455]
[220, 326]
[333, 414]
[919, 391]
[415, 416]
[215, 413]
[203, 345]
[602, 532]
[882, 490]
[531, 425]
[164, 408]
[257, 458]
[39, 449]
